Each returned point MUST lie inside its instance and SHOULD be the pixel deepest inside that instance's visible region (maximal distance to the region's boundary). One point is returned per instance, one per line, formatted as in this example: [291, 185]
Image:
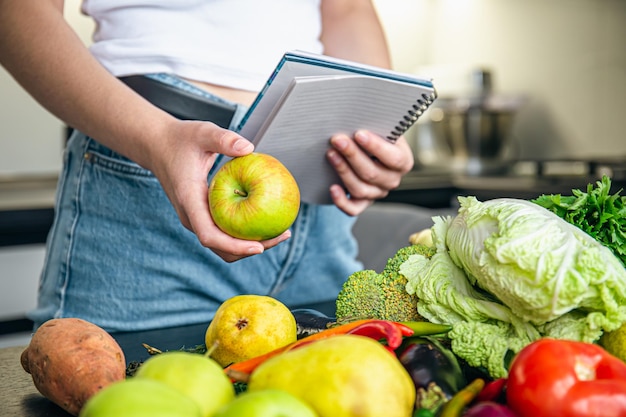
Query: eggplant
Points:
[434, 369]
[310, 321]
[488, 409]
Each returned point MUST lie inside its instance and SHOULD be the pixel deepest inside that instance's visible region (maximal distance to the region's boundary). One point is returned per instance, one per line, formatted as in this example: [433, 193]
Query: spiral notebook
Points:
[309, 97]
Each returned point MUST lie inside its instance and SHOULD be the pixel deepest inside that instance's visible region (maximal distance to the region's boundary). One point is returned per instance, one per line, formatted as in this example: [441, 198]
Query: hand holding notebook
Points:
[309, 98]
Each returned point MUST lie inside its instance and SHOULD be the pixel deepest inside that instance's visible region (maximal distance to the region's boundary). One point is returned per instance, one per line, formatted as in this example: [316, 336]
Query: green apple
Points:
[254, 197]
[266, 403]
[194, 375]
[139, 397]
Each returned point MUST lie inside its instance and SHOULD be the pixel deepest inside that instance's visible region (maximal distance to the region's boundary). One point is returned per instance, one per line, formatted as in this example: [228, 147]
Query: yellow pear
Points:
[249, 325]
[341, 376]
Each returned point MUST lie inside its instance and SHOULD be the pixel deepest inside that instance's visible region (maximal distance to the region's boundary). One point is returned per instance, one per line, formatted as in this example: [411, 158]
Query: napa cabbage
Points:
[507, 272]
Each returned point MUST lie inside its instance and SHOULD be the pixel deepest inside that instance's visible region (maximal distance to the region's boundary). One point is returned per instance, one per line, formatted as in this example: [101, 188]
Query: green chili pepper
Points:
[426, 328]
[460, 400]
[423, 412]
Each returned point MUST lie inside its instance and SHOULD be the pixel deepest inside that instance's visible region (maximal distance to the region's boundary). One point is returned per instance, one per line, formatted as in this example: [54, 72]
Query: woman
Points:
[133, 245]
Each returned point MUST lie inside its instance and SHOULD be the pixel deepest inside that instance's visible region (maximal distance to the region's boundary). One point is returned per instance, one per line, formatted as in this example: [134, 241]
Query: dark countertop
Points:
[26, 208]
[27, 202]
[20, 398]
[440, 191]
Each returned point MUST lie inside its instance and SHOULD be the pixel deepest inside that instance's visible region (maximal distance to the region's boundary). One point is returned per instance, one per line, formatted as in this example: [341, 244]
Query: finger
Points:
[228, 257]
[222, 141]
[359, 185]
[267, 244]
[396, 156]
[270, 243]
[350, 206]
[351, 151]
[235, 145]
[228, 247]
[366, 167]
[196, 208]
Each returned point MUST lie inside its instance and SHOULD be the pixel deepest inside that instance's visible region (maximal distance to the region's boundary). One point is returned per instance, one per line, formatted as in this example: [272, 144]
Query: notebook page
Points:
[299, 127]
[304, 64]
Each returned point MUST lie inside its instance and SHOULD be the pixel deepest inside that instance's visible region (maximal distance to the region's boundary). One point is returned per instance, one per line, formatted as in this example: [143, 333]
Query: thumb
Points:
[232, 144]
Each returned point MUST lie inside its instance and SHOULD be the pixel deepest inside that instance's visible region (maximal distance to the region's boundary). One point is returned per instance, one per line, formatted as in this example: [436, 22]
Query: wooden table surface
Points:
[18, 395]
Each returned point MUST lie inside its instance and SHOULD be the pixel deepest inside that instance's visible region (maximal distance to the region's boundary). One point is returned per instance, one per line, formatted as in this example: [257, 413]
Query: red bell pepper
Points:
[493, 391]
[563, 378]
[391, 332]
[377, 329]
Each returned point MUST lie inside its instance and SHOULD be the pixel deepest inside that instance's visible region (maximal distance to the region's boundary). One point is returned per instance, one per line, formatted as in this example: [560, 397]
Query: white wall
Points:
[31, 139]
[19, 279]
[567, 56]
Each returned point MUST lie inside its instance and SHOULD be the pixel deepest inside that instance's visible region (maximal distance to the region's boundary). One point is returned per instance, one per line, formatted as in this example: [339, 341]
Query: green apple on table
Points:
[139, 397]
[266, 403]
[194, 375]
[254, 197]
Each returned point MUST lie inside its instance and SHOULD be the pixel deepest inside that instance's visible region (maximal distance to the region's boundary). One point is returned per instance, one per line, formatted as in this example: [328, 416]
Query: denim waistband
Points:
[186, 86]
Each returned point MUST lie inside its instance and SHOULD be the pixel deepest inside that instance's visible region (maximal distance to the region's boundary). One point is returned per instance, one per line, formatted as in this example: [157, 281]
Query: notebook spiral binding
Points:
[420, 106]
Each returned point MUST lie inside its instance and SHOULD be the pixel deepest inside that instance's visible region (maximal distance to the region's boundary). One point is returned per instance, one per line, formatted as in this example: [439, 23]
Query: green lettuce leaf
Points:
[534, 262]
[507, 272]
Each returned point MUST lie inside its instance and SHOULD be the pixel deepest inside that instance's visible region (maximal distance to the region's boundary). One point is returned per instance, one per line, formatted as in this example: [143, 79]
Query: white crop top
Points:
[234, 43]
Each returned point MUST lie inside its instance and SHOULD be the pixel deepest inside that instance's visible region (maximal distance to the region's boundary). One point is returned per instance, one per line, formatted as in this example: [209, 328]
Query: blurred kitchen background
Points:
[532, 96]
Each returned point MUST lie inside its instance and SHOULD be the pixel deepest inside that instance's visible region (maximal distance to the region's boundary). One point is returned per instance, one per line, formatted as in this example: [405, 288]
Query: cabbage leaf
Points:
[507, 272]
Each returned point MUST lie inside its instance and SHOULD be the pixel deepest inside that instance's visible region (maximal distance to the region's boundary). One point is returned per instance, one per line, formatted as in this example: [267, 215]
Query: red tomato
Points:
[563, 378]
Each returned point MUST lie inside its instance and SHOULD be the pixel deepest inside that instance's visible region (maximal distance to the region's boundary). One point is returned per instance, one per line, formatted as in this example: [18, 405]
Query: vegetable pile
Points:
[511, 308]
[369, 294]
[507, 272]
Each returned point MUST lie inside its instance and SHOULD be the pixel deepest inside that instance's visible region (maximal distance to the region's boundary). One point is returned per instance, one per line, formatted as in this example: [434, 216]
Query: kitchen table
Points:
[20, 398]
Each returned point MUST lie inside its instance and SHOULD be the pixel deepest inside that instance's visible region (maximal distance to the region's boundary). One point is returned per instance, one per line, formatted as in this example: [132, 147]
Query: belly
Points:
[238, 96]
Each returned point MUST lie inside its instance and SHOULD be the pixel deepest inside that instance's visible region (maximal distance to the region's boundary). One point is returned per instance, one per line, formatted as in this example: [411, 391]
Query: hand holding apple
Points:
[254, 197]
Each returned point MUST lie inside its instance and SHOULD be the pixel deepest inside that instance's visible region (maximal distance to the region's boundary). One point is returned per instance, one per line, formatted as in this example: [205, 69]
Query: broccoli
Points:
[367, 294]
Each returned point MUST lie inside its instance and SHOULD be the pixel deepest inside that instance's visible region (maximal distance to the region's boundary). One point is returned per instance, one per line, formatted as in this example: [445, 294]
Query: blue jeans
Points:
[118, 256]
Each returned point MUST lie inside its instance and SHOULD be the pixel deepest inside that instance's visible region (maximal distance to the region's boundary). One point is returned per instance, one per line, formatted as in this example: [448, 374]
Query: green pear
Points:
[196, 376]
[266, 403]
[341, 376]
[137, 397]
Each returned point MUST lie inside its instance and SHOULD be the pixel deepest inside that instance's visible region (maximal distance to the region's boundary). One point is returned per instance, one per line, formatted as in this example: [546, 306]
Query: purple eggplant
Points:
[434, 370]
[489, 409]
[310, 321]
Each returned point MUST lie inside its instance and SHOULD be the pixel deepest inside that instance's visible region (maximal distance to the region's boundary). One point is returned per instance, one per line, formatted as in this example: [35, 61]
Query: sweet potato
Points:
[71, 359]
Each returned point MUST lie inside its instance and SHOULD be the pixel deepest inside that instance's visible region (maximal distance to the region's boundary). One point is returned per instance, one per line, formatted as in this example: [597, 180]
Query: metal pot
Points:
[470, 134]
